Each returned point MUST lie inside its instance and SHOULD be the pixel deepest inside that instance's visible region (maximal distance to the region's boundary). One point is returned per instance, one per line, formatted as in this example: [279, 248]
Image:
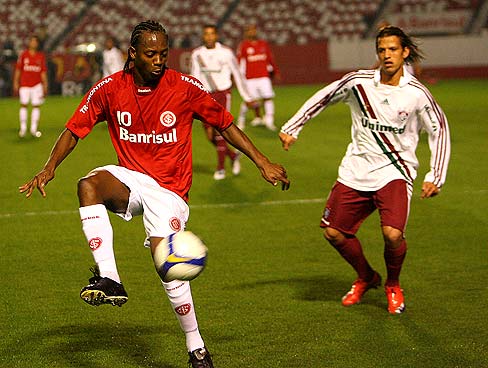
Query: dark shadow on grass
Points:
[94, 346]
[202, 169]
[319, 288]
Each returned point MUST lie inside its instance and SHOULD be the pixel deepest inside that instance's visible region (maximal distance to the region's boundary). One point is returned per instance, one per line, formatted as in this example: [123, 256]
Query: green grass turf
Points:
[270, 296]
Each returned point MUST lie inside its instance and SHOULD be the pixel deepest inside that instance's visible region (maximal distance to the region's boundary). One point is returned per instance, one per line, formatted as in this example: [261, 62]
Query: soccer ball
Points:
[180, 256]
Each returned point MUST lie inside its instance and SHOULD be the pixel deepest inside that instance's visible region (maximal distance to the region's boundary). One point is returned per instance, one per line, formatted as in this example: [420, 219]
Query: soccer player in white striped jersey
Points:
[389, 109]
[215, 65]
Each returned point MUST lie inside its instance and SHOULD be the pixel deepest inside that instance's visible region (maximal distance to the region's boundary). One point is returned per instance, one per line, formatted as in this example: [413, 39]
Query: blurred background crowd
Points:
[313, 41]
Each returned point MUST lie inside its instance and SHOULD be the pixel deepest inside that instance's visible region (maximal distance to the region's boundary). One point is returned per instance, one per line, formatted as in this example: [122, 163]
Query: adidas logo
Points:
[385, 102]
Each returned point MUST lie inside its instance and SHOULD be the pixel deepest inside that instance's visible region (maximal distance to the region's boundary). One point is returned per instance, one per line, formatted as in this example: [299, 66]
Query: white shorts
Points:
[260, 88]
[163, 212]
[34, 95]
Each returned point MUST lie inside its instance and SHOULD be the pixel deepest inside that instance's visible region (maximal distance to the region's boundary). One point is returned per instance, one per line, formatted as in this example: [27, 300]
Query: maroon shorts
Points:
[223, 98]
[347, 208]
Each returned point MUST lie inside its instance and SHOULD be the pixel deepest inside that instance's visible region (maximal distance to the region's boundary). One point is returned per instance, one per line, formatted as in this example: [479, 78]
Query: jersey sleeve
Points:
[206, 109]
[238, 78]
[43, 63]
[90, 111]
[194, 67]
[275, 70]
[329, 95]
[434, 122]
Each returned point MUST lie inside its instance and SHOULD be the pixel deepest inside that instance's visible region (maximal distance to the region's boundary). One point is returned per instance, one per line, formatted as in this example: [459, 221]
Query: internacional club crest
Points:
[168, 119]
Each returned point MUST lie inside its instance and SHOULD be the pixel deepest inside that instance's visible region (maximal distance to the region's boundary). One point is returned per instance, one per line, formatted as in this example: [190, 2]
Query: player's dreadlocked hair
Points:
[405, 40]
[146, 26]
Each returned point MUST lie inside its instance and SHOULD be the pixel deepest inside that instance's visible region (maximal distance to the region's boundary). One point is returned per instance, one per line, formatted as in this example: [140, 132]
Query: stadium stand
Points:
[307, 24]
[69, 23]
[182, 19]
[301, 21]
[419, 6]
[19, 19]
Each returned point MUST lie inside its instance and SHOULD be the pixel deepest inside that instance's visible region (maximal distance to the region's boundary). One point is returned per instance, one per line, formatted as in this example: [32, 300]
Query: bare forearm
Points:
[44, 82]
[65, 143]
[239, 140]
[16, 80]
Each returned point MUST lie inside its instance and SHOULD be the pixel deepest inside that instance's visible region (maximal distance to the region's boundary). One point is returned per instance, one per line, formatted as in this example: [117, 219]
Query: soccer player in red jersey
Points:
[257, 62]
[389, 109]
[149, 109]
[30, 82]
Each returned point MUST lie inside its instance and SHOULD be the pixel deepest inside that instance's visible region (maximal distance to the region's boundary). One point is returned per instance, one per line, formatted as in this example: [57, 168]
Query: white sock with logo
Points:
[179, 294]
[243, 111]
[98, 231]
[269, 110]
[23, 119]
[35, 116]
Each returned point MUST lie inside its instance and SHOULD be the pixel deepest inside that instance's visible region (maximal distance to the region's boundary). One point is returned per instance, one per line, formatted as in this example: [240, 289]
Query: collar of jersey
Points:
[404, 79]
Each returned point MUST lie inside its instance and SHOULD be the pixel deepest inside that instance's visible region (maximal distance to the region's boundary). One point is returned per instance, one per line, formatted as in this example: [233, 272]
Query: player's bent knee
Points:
[86, 185]
[392, 237]
[88, 190]
[333, 236]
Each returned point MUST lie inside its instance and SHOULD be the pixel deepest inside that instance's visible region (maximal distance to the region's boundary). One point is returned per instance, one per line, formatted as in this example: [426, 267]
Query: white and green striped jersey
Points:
[216, 67]
[386, 125]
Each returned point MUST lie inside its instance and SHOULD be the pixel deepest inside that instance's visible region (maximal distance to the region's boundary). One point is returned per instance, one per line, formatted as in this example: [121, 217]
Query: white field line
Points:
[193, 207]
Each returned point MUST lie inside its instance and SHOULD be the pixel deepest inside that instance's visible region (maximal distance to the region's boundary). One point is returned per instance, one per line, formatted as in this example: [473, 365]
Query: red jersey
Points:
[150, 128]
[31, 66]
[257, 58]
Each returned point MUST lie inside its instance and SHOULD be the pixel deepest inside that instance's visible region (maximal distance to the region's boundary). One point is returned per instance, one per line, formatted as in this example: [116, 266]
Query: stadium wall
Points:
[446, 57]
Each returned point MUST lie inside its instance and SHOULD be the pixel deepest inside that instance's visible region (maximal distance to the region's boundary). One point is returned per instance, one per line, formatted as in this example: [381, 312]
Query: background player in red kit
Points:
[149, 110]
[30, 82]
[257, 62]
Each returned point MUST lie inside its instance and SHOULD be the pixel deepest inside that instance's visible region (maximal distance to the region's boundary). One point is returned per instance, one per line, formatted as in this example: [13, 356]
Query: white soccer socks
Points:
[23, 121]
[179, 294]
[99, 234]
[242, 112]
[35, 116]
[269, 110]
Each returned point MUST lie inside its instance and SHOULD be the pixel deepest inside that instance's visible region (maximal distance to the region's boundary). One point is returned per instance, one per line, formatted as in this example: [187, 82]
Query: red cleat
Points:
[359, 287]
[396, 304]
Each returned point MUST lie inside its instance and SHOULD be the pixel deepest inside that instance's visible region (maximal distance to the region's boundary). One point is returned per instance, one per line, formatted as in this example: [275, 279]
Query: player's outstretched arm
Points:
[271, 172]
[65, 143]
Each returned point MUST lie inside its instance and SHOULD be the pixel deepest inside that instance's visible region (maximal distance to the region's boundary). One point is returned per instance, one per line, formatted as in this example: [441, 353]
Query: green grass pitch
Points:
[270, 295]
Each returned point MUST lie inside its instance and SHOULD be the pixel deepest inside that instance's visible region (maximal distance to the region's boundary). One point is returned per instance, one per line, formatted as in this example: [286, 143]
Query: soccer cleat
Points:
[21, 133]
[36, 134]
[396, 302]
[359, 287]
[219, 174]
[200, 358]
[269, 124]
[103, 290]
[236, 164]
[257, 121]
